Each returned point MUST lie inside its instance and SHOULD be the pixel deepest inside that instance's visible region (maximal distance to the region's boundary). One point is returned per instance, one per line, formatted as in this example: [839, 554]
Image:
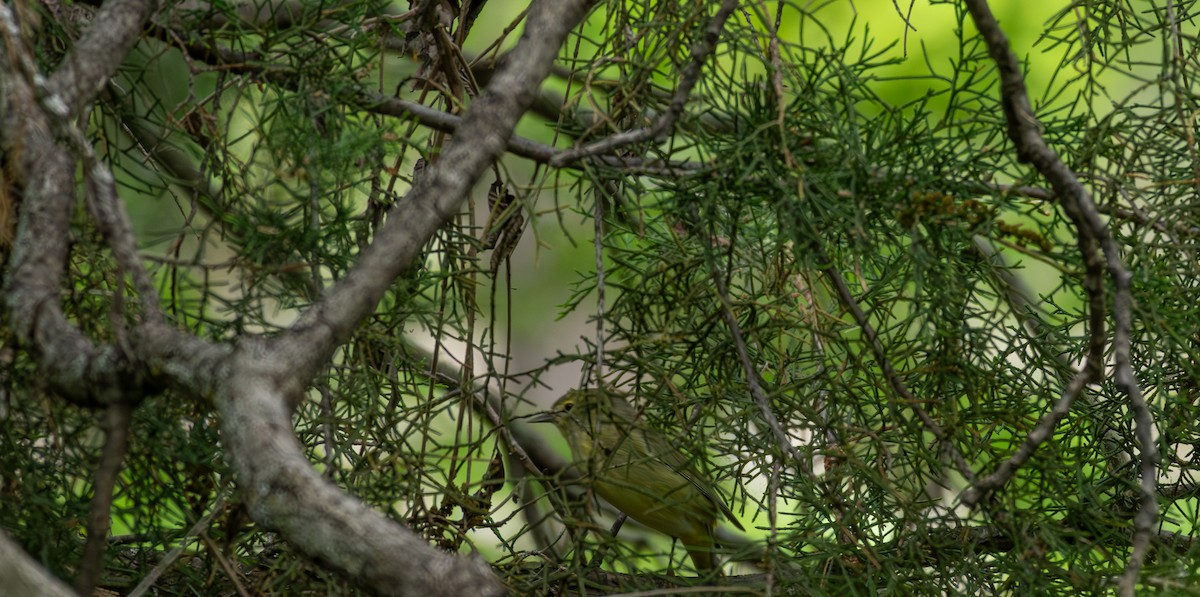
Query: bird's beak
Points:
[549, 416]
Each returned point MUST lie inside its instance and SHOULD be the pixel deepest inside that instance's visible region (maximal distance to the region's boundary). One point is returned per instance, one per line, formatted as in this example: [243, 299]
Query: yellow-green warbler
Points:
[635, 468]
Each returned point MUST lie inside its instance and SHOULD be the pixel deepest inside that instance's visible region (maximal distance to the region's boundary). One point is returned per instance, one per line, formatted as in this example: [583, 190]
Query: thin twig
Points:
[171, 556]
[688, 78]
[598, 248]
[1135, 216]
[753, 381]
[224, 563]
[372, 101]
[889, 372]
[112, 220]
[752, 378]
[780, 98]
[773, 537]
[116, 443]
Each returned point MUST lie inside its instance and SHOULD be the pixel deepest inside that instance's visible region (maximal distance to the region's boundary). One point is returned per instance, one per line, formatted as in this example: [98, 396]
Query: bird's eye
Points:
[567, 406]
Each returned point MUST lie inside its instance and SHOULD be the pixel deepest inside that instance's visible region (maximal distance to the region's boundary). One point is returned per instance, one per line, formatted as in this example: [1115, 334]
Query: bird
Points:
[636, 468]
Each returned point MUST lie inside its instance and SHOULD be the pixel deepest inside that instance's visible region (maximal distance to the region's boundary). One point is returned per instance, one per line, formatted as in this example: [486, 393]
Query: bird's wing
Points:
[676, 460]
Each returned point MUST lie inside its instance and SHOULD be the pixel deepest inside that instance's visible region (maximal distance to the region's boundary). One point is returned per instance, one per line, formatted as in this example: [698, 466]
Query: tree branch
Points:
[1025, 132]
[116, 442]
[435, 198]
[264, 378]
[369, 100]
[24, 576]
[782, 439]
[885, 364]
[701, 50]
[283, 493]
[95, 56]
[75, 368]
[373, 101]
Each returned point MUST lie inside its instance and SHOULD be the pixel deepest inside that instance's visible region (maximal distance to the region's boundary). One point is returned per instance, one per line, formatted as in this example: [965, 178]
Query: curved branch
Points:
[74, 366]
[284, 493]
[1025, 132]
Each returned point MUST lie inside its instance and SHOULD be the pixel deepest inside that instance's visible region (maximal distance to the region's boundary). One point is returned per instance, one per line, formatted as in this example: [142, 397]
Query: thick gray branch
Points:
[74, 366]
[284, 493]
[263, 379]
[94, 58]
[481, 139]
[24, 576]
